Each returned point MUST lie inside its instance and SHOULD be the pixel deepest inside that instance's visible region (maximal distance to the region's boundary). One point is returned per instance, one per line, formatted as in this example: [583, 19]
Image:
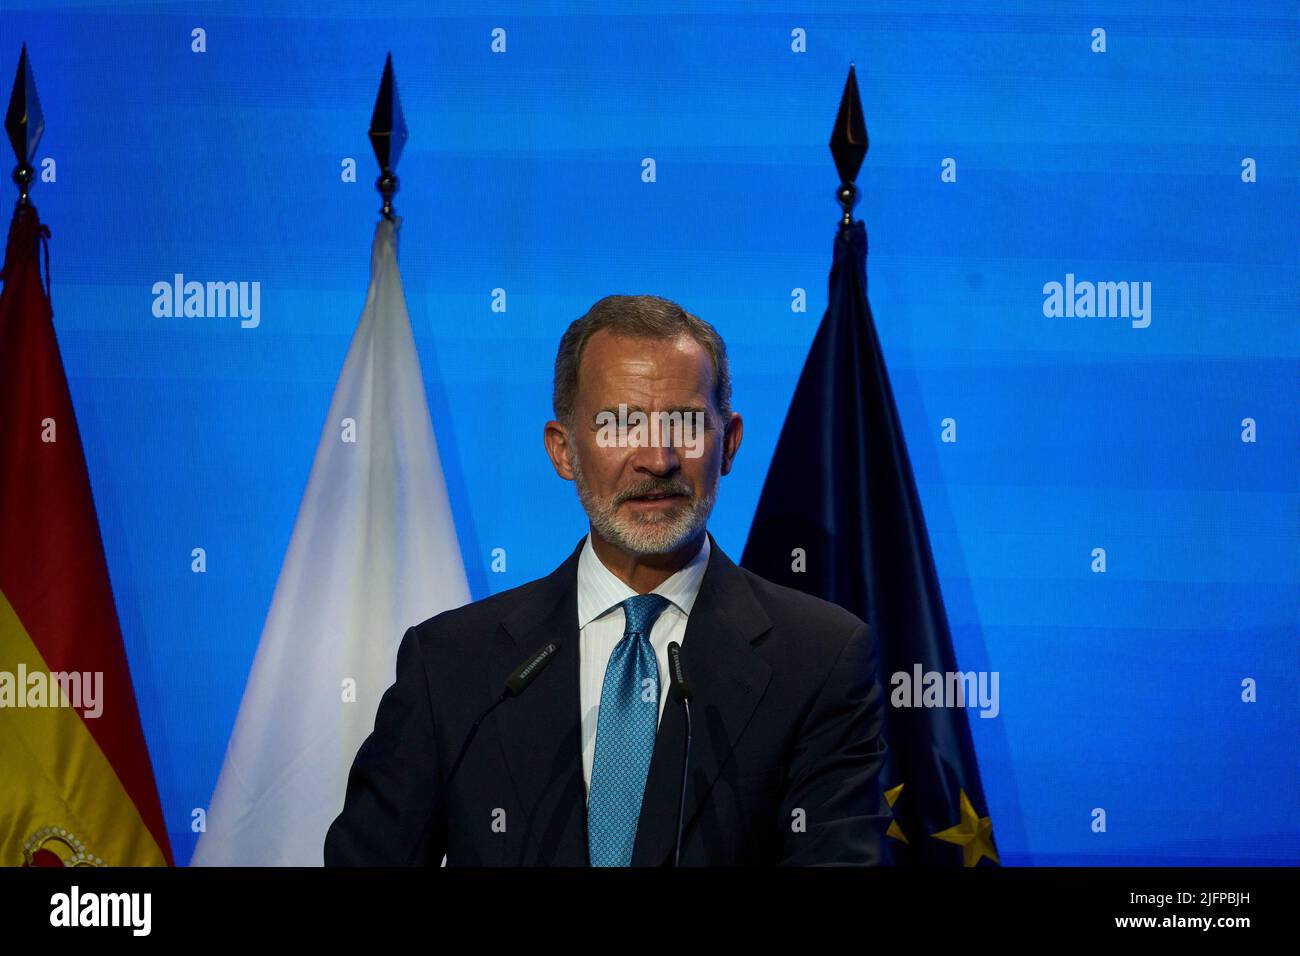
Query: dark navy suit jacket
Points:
[785, 757]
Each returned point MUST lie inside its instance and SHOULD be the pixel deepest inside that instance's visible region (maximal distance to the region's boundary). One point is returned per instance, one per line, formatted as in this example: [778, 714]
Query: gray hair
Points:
[638, 316]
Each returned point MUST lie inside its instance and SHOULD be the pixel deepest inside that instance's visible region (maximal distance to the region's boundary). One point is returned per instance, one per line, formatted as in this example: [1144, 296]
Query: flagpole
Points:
[373, 553]
[387, 136]
[24, 123]
[849, 147]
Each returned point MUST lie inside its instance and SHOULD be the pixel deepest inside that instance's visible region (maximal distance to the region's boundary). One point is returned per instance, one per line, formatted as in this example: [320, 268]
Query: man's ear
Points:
[731, 441]
[556, 439]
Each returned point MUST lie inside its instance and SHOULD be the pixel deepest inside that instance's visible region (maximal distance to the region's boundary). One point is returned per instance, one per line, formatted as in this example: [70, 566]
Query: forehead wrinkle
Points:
[676, 373]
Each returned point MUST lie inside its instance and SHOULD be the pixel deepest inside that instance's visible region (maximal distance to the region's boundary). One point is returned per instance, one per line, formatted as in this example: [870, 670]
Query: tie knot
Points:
[642, 611]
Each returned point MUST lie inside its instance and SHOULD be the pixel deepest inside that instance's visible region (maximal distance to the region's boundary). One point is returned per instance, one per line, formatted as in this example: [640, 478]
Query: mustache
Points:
[653, 486]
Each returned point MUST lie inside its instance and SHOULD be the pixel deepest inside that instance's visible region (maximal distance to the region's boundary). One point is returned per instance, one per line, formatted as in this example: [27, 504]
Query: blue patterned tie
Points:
[625, 736]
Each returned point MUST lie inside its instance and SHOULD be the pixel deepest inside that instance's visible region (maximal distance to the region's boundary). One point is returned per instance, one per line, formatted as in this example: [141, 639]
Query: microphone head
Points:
[678, 685]
[527, 672]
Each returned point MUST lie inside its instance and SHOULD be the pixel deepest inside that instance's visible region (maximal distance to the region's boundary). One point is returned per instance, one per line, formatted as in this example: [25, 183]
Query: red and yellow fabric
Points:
[73, 789]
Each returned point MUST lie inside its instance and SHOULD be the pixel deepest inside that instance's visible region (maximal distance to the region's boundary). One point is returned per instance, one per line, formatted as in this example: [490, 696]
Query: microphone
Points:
[518, 682]
[527, 672]
[680, 689]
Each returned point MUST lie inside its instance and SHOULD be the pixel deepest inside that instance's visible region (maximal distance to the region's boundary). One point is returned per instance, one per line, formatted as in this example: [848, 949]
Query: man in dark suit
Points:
[584, 766]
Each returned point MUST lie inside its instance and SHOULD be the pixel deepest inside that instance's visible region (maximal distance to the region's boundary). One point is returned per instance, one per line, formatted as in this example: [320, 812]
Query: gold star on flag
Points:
[974, 834]
[895, 831]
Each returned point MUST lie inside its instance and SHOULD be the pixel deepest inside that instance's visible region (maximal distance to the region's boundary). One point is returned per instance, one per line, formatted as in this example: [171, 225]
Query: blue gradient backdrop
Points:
[1119, 690]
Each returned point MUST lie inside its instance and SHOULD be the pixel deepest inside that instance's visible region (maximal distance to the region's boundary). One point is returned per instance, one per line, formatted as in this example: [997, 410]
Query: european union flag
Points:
[839, 518]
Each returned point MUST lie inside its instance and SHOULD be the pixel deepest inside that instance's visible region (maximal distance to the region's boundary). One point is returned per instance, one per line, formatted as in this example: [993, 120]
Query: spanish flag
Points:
[76, 784]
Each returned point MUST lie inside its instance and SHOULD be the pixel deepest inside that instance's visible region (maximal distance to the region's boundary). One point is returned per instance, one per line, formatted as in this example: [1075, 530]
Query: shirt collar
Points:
[600, 590]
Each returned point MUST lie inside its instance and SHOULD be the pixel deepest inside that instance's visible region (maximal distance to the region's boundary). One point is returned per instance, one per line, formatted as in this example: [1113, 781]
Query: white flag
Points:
[373, 552]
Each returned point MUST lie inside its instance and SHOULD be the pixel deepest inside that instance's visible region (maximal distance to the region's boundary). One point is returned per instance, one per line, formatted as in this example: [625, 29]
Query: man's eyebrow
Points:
[688, 410]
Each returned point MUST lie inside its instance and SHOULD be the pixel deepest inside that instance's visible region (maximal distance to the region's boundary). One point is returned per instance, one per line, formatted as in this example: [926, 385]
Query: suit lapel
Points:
[541, 730]
[728, 679]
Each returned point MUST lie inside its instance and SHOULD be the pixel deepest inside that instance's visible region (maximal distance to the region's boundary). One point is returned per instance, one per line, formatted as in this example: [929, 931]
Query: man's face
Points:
[645, 494]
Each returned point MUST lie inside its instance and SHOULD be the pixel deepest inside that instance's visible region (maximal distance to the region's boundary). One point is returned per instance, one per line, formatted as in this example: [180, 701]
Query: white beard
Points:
[643, 534]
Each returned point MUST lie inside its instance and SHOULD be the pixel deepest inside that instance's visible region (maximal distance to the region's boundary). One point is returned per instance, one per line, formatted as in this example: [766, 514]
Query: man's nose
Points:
[661, 459]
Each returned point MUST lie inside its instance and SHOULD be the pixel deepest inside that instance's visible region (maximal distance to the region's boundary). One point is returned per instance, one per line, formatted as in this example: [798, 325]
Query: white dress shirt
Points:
[600, 628]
